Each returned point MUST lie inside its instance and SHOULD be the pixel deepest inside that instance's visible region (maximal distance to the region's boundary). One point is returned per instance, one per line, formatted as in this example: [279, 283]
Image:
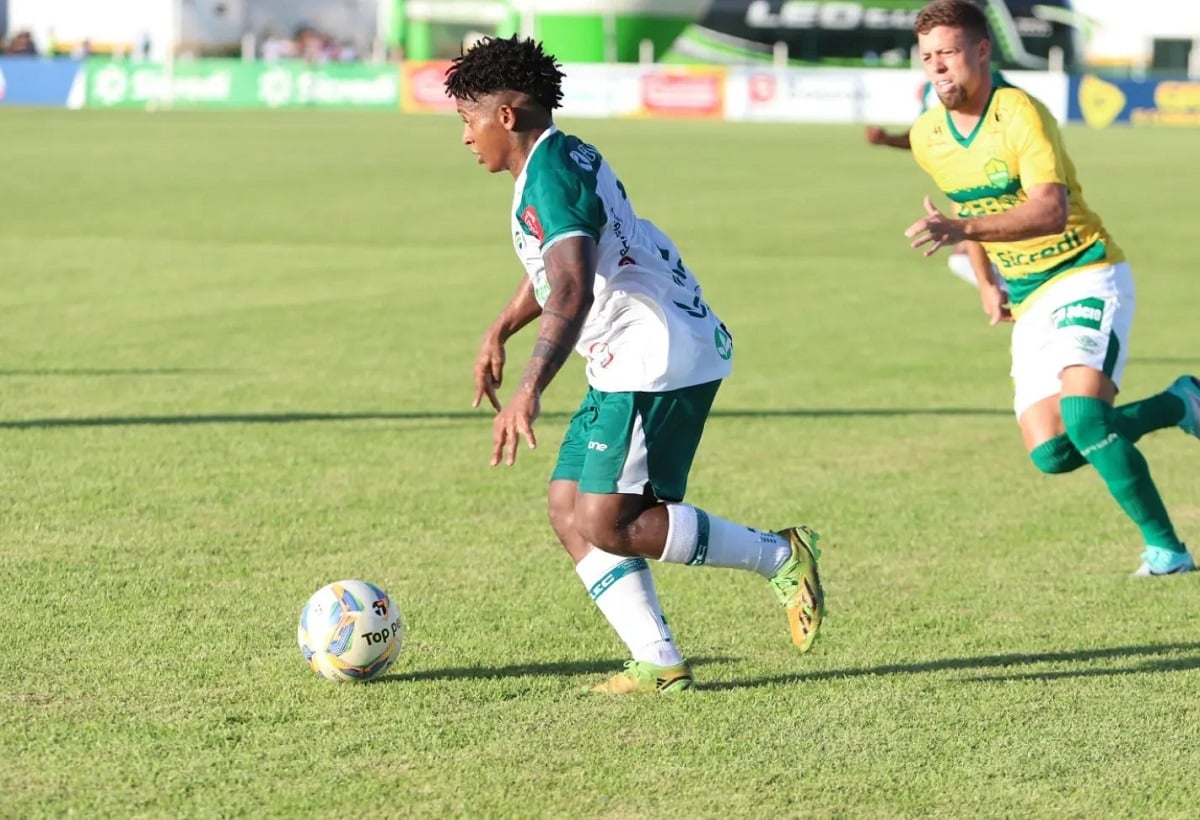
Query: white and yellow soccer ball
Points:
[350, 631]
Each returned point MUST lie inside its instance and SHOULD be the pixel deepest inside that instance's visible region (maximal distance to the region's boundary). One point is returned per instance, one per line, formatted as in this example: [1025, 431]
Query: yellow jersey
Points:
[1016, 144]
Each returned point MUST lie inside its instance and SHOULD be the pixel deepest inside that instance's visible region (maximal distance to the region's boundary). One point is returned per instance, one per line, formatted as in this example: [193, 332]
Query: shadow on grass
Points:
[1149, 663]
[522, 670]
[449, 415]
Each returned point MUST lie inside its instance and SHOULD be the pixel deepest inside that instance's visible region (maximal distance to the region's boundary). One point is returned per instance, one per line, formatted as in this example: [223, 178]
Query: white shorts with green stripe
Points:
[1082, 319]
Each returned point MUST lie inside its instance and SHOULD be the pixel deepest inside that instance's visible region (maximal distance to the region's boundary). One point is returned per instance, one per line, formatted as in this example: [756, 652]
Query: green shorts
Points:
[622, 442]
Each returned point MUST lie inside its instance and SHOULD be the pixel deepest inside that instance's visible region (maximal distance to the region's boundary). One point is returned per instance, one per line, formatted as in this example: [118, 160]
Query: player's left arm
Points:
[1042, 214]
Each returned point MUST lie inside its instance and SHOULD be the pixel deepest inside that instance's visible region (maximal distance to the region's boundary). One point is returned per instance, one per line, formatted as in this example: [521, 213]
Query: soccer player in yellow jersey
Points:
[997, 153]
[967, 266]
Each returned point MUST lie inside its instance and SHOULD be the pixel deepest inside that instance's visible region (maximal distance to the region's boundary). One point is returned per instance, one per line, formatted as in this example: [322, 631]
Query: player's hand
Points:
[513, 422]
[936, 230]
[995, 304]
[489, 370]
[876, 135]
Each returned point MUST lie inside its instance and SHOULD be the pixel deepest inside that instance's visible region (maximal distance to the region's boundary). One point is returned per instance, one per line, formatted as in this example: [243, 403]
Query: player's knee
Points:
[599, 530]
[1050, 460]
[561, 512]
[1088, 421]
[560, 520]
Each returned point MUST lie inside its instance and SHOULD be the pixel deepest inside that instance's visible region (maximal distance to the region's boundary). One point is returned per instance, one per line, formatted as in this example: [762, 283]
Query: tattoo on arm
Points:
[571, 272]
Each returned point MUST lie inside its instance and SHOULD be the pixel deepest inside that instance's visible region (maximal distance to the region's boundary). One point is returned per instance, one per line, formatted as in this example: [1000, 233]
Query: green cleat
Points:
[798, 586]
[643, 677]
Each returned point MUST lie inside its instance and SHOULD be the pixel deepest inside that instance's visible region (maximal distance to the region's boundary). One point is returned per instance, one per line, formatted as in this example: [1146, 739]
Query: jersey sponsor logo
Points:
[598, 446]
[530, 219]
[991, 205]
[1070, 241]
[968, 197]
[585, 156]
[618, 232]
[1082, 313]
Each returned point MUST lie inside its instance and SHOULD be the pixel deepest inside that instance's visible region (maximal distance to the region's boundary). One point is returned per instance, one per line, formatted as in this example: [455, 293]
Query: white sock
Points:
[960, 266]
[623, 590]
[696, 538]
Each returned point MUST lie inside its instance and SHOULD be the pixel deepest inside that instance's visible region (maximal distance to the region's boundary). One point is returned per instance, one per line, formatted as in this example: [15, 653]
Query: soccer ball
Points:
[350, 630]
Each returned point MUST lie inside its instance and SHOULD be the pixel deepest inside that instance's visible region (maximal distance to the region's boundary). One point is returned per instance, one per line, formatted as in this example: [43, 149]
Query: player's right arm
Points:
[877, 136]
[571, 273]
[489, 364]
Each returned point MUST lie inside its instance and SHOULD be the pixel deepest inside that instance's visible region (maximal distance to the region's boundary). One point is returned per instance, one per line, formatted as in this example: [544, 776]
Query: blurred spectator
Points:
[307, 44]
[275, 48]
[312, 45]
[21, 43]
[82, 50]
[347, 52]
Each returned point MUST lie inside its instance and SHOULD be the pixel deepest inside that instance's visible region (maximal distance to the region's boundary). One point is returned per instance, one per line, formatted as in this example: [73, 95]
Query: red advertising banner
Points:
[422, 87]
[686, 91]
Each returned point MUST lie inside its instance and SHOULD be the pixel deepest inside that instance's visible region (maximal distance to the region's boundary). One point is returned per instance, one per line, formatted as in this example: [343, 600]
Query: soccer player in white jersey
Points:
[997, 154]
[610, 285]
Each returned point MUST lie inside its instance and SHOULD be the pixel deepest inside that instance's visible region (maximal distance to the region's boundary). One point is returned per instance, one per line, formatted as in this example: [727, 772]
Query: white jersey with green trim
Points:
[649, 328]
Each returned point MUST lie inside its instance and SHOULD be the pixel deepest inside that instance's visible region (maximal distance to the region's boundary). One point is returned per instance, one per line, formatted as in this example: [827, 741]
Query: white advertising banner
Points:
[837, 95]
[629, 90]
[831, 95]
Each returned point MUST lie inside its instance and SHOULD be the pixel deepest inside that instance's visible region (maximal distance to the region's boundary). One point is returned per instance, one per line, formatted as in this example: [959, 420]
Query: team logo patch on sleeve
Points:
[530, 217]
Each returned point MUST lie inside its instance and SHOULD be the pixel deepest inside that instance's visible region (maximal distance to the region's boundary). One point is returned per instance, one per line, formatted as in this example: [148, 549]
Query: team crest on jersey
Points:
[997, 172]
[529, 216]
[600, 354]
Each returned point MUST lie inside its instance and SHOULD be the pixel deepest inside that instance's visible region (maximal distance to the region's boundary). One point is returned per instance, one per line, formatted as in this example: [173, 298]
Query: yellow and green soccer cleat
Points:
[642, 677]
[798, 586]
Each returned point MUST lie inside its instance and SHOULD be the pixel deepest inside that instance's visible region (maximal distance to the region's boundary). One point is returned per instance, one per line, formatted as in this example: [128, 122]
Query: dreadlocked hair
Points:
[510, 64]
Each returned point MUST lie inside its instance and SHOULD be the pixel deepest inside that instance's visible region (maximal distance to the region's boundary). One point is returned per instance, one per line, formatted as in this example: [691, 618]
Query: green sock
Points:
[1133, 420]
[1093, 428]
[1138, 418]
[1057, 455]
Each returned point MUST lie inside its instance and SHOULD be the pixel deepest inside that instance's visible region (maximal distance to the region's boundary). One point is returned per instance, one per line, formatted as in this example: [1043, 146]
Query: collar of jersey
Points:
[553, 129]
[966, 141]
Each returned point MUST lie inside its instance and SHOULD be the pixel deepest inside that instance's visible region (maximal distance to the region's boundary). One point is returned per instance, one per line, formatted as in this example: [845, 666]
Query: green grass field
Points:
[235, 365]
